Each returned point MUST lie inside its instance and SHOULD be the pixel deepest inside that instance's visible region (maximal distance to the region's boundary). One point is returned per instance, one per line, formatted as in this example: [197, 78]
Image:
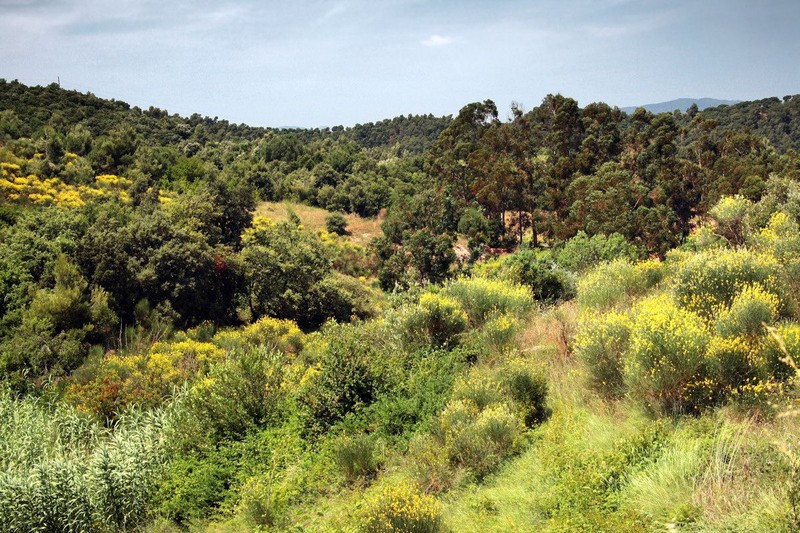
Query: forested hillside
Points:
[571, 320]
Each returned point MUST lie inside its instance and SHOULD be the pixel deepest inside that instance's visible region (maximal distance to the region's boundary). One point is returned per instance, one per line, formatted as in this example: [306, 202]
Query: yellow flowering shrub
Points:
[751, 310]
[709, 281]
[260, 224]
[667, 354]
[347, 257]
[267, 331]
[32, 190]
[400, 507]
[437, 319]
[735, 363]
[119, 380]
[782, 345]
[500, 331]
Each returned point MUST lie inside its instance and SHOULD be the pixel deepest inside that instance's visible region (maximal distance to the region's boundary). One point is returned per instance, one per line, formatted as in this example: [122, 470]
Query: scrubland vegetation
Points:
[574, 320]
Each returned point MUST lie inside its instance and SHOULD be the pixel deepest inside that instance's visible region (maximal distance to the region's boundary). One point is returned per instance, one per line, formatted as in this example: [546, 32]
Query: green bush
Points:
[583, 252]
[535, 269]
[528, 387]
[194, 487]
[666, 360]
[336, 223]
[601, 345]
[242, 393]
[616, 283]
[482, 298]
[346, 378]
[358, 457]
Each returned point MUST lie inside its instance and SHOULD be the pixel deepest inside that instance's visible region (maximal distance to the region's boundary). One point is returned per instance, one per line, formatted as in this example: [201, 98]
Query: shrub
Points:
[107, 386]
[615, 283]
[750, 311]
[478, 389]
[481, 298]
[272, 333]
[401, 506]
[194, 487]
[478, 439]
[730, 214]
[600, 344]
[264, 502]
[666, 357]
[499, 333]
[527, 386]
[437, 319]
[709, 281]
[345, 378]
[357, 457]
[781, 351]
[535, 269]
[582, 252]
[733, 363]
[241, 393]
[336, 223]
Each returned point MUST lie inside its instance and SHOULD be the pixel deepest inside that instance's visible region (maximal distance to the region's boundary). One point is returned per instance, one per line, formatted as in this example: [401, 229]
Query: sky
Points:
[315, 63]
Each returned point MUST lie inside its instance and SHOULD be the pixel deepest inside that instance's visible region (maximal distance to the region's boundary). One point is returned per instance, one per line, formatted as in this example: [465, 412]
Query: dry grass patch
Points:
[362, 230]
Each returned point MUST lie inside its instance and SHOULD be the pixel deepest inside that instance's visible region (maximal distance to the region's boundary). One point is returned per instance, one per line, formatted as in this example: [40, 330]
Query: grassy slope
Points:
[599, 466]
[596, 466]
[362, 230]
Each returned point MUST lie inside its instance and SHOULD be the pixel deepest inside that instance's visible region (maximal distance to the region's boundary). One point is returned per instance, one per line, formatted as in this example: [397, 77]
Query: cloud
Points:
[437, 40]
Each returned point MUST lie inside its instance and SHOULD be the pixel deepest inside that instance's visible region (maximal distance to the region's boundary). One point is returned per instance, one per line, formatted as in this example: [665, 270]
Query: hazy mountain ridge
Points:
[682, 104]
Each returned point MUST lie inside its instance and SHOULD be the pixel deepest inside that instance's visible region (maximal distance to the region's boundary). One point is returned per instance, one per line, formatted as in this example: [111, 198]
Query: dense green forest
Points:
[571, 320]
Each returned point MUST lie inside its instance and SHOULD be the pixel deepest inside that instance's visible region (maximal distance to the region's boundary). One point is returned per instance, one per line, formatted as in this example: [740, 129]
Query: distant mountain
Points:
[681, 103]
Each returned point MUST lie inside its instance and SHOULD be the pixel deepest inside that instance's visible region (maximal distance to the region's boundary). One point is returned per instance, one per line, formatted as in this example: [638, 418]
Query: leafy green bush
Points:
[346, 377]
[615, 283]
[535, 269]
[667, 355]
[601, 345]
[482, 298]
[401, 506]
[528, 387]
[358, 457]
[194, 487]
[582, 252]
[336, 223]
[242, 393]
